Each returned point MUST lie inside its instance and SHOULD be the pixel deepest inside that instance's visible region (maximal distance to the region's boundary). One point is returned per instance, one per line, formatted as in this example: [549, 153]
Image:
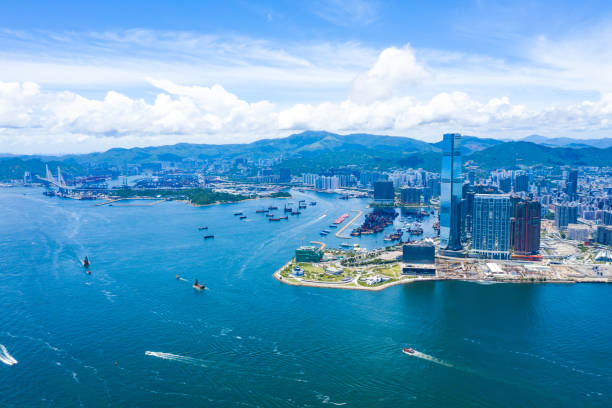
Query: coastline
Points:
[407, 280]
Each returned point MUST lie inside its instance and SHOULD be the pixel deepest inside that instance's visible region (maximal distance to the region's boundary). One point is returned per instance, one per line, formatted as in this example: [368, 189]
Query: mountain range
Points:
[314, 151]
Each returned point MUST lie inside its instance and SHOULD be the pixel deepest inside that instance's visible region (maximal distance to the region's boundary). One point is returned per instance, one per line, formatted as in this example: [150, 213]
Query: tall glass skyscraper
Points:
[450, 194]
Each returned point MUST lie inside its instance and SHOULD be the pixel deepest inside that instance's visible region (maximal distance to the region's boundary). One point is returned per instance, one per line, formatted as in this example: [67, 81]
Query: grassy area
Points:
[198, 196]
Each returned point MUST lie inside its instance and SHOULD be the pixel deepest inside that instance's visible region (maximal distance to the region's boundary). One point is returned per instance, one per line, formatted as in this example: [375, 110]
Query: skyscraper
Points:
[571, 184]
[450, 194]
[491, 226]
[521, 183]
[525, 228]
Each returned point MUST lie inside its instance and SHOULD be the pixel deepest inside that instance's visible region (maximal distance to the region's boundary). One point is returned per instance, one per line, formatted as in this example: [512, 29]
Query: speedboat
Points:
[408, 350]
[198, 286]
[86, 262]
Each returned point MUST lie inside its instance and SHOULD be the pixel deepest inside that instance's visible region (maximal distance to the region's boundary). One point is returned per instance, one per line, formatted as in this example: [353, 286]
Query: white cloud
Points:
[344, 87]
[395, 70]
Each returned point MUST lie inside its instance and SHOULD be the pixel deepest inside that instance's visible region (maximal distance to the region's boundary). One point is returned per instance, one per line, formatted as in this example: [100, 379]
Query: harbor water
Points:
[132, 334]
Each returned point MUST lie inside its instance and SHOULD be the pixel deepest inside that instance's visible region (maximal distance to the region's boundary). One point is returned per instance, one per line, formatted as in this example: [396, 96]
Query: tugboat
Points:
[86, 262]
[408, 350]
[198, 286]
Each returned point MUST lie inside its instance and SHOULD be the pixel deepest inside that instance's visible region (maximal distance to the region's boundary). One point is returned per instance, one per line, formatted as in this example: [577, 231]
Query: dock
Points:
[348, 224]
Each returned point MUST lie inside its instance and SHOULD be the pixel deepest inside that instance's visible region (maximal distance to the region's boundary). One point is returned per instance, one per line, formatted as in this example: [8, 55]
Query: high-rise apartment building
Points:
[491, 226]
[450, 192]
[565, 214]
[525, 228]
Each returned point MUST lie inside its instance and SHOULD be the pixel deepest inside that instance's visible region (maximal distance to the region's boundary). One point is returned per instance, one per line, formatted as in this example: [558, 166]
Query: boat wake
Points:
[430, 358]
[176, 357]
[5, 357]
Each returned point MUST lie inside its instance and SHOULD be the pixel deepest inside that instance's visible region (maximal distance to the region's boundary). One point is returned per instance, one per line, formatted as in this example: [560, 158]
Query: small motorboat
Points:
[88, 272]
[209, 236]
[408, 350]
[86, 262]
[198, 286]
[242, 217]
[202, 228]
[177, 276]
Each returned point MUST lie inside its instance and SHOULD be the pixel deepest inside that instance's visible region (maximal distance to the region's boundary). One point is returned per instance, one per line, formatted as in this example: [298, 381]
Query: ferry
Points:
[86, 262]
[242, 217]
[346, 245]
[209, 236]
[408, 350]
[198, 286]
[202, 228]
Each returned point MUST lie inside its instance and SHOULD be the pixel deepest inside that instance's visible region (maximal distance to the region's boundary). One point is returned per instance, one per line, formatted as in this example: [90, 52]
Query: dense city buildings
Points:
[384, 193]
[525, 228]
[578, 232]
[565, 214]
[491, 226]
[450, 195]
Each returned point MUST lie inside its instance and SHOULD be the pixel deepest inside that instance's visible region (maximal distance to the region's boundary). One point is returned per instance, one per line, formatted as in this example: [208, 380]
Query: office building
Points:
[411, 195]
[491, 226]
[525, 227]
[565, 214]
[419, 259]
[450, 192]
[505, 184]
[384, 193]
[521, 183]
[571, 184]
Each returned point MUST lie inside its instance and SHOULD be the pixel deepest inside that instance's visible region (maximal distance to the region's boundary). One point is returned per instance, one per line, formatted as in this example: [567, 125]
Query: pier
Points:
[116, 200]
[348, 224]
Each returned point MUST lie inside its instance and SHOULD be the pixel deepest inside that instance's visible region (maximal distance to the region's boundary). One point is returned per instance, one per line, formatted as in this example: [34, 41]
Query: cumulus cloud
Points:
[395, 70]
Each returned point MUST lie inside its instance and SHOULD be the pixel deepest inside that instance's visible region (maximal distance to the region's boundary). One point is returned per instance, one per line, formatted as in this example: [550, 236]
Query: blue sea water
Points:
[250, 341]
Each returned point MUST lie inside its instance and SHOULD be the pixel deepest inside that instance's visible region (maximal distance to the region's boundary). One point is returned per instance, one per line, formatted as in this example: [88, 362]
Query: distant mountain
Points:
[315, 151]
[569, 142]
[471, 144]
[528, 154]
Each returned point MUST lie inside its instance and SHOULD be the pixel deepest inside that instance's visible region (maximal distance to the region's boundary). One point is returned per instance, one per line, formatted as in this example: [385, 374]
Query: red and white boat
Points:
[408, 350]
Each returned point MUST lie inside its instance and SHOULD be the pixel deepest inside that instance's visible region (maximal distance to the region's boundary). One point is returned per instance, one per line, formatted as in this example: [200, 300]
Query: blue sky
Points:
[82, 76]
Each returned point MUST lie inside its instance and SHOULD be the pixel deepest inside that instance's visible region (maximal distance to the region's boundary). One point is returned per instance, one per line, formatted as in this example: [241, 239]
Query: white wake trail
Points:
[430, 358]
[5, 357]
[176, 357]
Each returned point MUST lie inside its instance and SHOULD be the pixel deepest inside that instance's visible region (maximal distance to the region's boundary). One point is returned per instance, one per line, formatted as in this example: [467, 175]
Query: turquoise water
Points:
[251, 341]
